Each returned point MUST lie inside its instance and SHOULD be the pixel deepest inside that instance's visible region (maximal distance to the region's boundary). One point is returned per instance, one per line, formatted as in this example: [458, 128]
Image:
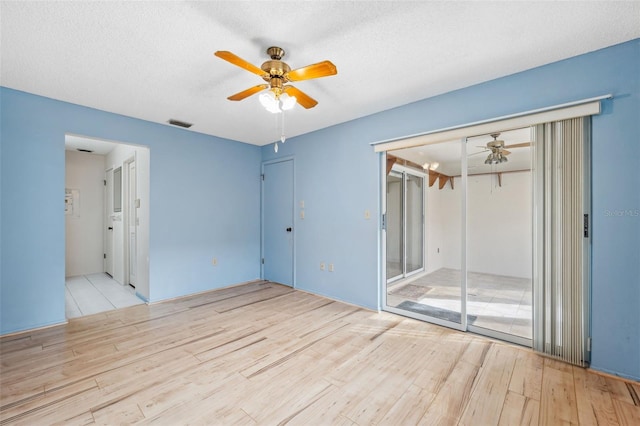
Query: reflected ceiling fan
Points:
[499, 150]
[280, 95]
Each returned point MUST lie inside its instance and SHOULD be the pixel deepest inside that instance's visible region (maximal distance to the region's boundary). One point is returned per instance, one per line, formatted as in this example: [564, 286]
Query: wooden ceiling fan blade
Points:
[518, 145]
[301, 97]
[246, 93]
[505, 152]
[238, 61]
[321, 69]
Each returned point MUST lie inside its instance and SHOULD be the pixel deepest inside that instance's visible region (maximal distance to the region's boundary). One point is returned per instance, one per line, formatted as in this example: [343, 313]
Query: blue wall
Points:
[205, 202]
[338, 178]
[337, 175]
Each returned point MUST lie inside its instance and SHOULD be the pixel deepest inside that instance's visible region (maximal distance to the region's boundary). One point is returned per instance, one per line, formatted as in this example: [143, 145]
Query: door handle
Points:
[110, 228]
[289, 229]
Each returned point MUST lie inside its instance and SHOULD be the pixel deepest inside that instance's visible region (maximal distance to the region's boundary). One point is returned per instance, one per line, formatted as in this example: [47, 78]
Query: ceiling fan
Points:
[277, 74]
[498, 149]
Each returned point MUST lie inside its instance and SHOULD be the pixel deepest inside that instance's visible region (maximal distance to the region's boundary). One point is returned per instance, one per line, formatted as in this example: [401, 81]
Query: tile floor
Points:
[90, 294]
[500, 303]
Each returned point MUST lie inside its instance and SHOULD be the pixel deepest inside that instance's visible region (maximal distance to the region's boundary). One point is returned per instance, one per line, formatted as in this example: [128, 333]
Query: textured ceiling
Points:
[154, 60]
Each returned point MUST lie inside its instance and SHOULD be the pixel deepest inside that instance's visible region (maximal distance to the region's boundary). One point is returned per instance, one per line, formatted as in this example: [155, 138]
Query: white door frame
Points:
[108, 221]
[128, 211]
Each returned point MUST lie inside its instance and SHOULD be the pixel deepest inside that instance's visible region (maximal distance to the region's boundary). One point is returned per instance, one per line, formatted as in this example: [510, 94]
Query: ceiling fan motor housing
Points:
[275, 70]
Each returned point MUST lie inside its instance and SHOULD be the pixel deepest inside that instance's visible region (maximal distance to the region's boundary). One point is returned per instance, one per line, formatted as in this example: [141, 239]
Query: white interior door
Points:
[108, 223]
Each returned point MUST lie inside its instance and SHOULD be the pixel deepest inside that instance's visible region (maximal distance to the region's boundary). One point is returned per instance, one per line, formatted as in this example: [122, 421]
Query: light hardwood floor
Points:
[262, 353]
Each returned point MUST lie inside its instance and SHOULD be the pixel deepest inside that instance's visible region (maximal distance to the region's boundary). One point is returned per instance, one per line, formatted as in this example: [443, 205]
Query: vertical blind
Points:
[561, 200]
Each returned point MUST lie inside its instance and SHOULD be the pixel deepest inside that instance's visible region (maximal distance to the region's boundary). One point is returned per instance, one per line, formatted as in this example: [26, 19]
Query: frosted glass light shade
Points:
[269, 102]
[287, 102]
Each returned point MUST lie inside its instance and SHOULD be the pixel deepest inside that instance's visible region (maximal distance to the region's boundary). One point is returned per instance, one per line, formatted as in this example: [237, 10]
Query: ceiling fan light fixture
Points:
[495, 158]
[275, 104]
[269, 102]
[287, 102]
[431, 166]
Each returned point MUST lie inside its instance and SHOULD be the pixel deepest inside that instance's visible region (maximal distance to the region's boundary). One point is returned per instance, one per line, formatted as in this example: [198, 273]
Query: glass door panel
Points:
[435, 295]
[414, 230]
[395, 232]
[499, 235]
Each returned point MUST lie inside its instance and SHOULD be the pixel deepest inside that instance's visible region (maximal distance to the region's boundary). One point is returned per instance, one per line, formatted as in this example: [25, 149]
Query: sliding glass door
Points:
[506, 226]
[478, 235]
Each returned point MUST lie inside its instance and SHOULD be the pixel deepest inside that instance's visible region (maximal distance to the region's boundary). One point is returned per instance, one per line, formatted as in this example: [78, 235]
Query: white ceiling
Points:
[96, 146]
[154, 60]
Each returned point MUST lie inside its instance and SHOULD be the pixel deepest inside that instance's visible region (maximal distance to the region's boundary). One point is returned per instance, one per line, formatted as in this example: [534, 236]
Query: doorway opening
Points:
[107, 225]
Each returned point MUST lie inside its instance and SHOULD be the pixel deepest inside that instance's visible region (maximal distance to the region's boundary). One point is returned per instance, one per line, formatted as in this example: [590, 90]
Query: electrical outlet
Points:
[331, 267]
[322, 266]
[214, 261]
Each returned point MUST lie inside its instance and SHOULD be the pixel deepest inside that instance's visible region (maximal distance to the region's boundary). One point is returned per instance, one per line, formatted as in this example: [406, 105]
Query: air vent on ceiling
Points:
[84, 150]
[180, 123]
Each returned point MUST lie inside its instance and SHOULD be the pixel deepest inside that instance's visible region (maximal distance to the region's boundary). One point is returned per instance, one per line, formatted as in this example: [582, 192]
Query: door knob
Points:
[289, 229]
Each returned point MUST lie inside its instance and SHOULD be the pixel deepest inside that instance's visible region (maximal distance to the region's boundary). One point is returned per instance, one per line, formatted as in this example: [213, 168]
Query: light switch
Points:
[301, 214]
[367, 214]
[302, 204]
